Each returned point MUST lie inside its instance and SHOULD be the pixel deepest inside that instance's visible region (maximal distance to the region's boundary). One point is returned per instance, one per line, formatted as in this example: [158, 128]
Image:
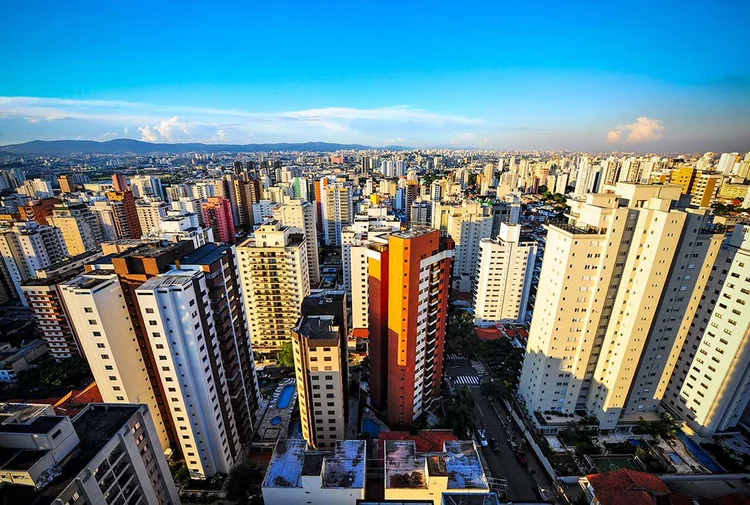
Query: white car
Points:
[482, 438]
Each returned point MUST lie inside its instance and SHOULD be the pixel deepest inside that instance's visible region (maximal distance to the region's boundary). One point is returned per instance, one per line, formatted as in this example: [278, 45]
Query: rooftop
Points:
[285, 468]
[180, 278]
[464, 467]
[205, 254]
[627, 487]
[413, 232]
[318, 327]
[346, 467]
[403, 468]
[459, 462]
[342, 468]
[95, 426]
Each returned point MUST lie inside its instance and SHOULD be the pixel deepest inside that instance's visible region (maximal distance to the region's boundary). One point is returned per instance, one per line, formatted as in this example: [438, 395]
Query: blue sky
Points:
[638, 75]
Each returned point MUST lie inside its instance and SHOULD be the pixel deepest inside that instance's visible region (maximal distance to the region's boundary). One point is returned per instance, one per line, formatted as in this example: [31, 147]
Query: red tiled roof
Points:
[425, 440]
[627, 487]
[488, 333]
[72, 403]
[360, 333]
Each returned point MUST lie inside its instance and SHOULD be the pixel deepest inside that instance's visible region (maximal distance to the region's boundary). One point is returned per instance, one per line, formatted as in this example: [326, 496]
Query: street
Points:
[503, 464]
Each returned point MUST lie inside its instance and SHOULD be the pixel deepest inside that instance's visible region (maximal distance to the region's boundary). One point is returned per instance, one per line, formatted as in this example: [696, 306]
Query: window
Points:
[88, 310]
[149, 310]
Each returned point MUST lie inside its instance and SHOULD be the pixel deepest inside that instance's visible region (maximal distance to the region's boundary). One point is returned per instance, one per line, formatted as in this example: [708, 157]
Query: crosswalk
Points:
[469, 380]
[452, 356]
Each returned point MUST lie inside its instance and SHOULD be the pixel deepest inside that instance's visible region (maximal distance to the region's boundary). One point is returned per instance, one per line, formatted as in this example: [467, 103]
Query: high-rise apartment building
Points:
[181, 332]
[408, 306]
[710, 386]
[275, 279]
[683, 177]
[107, 454]
[27, 247]
[150, 213]
[338, 211]
[504, 274]
[97, 308]
[44, 298]
[726, 163]
[120, 182]
[705, 187]
[467, 225]
[219, 264]
[125, 214]
[615, 295]
[66, 184]
[106, 217]
[217, 214]
[301, 215]
[320, 357]
[38, 210]
[79, 226]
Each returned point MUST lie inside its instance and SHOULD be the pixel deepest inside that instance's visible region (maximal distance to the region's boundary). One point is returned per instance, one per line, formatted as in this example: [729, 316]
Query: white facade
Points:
[614, 296]
[336, 478]
[178, 320]
[150, 214]
[28, 247]
[338, 211]
[302, 215]
[503, 277]
[710, 387]
[357, 270]
[263, 210]
[467, 226]
[98, 313]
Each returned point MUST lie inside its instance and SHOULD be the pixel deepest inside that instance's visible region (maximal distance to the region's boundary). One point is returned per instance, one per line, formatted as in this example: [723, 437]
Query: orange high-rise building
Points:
[409, 284]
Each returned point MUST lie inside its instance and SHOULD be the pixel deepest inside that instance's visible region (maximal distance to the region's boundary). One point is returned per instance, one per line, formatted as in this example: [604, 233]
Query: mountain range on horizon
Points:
[131, 146]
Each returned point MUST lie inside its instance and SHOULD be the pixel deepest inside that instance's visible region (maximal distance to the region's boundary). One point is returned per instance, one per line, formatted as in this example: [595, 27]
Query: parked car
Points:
[481, 438]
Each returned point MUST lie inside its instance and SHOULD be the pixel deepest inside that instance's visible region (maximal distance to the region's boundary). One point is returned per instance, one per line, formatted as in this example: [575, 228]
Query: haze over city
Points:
[531, 75]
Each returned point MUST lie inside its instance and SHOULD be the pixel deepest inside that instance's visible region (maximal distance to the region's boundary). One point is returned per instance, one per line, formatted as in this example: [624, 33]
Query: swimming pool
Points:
[675, 457]
[285, 398]
[698, 453]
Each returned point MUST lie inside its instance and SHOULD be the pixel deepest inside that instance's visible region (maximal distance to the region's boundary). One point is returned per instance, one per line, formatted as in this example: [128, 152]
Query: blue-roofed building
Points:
[410, 475]
[298, 476]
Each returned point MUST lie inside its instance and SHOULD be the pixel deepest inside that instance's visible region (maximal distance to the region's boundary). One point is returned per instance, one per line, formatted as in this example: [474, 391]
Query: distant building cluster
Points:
[303, 303]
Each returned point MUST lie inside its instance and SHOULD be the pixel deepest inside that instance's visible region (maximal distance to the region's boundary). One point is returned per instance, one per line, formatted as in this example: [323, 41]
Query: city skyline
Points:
[417, 75]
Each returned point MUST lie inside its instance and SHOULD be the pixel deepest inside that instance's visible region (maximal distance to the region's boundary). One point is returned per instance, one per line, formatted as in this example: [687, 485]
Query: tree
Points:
[244, 480]
[460, 412]
[286, 356]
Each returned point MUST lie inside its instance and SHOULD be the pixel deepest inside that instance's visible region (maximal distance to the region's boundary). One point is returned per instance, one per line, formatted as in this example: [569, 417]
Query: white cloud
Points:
[174, 129]
[644, 129]
[159, 123]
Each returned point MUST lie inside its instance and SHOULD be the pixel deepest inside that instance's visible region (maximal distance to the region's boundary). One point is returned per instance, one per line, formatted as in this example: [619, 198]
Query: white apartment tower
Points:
[503, 277]
[468, 224]
[179, 322]
[338, 211]
[615, 295]
[302, 215]
[275, 279]
[97, 311]
[27, 247]
[150, 213]
[710, 387]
